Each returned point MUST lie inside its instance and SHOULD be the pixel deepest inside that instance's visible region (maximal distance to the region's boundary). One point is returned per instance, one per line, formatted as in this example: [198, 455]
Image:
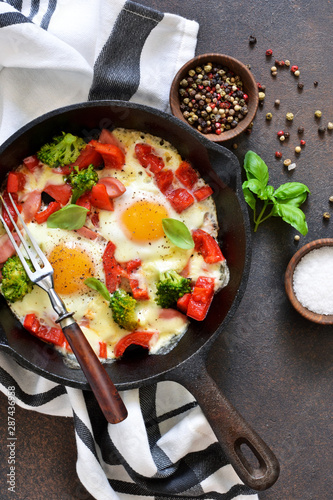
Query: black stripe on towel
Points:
[48, 14]
[117, 68]
[17, 4]
[84, 434]
[34, 8]
[34, 400]
[10, 18]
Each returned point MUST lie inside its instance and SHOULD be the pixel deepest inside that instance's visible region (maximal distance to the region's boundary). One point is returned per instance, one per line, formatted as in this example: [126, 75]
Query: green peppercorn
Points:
[290, 117]
[269, 116]
[318, 113]
[287, 162]
[330, 126]
[326, 215]
[261, 96]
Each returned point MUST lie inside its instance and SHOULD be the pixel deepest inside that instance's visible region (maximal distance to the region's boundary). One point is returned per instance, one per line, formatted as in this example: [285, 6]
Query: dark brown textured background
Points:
[273, 365]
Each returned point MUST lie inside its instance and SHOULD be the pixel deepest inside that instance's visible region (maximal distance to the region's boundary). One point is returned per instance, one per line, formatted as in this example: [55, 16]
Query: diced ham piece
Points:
[6, 248]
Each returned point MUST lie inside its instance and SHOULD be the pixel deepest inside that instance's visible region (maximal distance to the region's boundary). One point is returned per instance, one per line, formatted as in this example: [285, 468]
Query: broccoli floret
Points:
[170, 288]
[15, 282]
[123, 310]
[82, 181]
[62, 150]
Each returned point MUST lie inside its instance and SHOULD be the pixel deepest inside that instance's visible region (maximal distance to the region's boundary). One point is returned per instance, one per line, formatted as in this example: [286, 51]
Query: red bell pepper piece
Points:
[180, 199]
[138, 292]
[164, 180]
[205, 244]
[11, 209]
[107, 137]
[15, 182]
[84, 201]
[112, 155]
[88, 156]
[183, 302]
[103, 350]
[31, 162]
[99, 197]
[154, 162]
[31, 323]
[59, 192]
[144, 339]
[48, 334]
[202, 193]
[141, 151]
[41, 217]
[186, 174]
[201, 298]
[113, 271]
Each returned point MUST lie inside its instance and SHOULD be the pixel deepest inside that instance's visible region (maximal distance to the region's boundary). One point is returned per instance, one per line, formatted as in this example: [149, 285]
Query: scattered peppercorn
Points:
[273, 69]
[287, 162]
[274, 73]
[300, 85]
[235, 146]
[300, 130]
[269, 116]
[262, 96]
[269, 52]
[212, 98]
[326, 215]
[331, 199]
[287, 62]
[297, 149]
[280, 132]
[318, 113]
[282, 138]
[279, 63]
[321, 130]
[290, 117]
[297, 72]
[297, 237]
[292, 166]
[302, 143]
[278, 154]
[315, 84]
[287, 135]
[330, 126]
[252, 40]
[294, 68]
[277, 102]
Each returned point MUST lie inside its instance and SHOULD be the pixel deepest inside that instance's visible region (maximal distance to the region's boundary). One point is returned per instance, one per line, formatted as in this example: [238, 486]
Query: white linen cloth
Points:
[59, 52]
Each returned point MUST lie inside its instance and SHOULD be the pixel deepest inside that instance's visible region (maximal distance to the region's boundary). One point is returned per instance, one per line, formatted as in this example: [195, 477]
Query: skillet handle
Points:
[103, 388]
[231, 430]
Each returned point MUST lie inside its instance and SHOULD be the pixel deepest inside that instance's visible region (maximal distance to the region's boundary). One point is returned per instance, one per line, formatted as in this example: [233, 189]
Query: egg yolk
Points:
[71, 267]
[143, 221]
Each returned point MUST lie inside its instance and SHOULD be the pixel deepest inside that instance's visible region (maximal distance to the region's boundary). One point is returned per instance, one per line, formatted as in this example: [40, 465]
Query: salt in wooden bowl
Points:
[323, 319]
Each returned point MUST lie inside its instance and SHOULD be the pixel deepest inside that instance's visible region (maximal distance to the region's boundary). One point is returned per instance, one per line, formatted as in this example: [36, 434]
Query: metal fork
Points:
[105, 392]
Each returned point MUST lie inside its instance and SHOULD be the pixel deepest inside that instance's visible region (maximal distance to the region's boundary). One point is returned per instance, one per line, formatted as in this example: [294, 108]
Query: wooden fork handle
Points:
[103, 388]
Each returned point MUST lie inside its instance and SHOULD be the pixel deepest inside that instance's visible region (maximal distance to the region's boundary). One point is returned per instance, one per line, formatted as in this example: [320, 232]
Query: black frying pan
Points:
[185, 363]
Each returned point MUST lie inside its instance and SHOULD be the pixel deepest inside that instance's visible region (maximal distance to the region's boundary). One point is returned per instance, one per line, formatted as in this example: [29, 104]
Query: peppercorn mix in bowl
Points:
[309, 281]
[215, 94]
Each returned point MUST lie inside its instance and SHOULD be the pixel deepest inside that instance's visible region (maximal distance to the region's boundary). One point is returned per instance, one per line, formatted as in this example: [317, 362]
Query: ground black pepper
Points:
[212, 99]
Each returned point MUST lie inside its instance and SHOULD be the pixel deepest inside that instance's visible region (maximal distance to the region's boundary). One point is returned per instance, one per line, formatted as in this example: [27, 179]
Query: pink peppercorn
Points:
[245, 97]
[280, 133]
[294, 68]
[278, 154]
[302, 142]
[269, 52]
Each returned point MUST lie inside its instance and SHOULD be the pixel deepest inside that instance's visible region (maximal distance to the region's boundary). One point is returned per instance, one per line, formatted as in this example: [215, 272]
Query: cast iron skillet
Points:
[185, 363]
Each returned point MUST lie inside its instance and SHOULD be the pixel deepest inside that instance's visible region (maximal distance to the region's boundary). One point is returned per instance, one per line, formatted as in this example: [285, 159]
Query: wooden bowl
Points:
[249, 86]
[323, 319]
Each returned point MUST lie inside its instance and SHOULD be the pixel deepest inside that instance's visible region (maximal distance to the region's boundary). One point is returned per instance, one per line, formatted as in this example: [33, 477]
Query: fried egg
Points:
[135, 228]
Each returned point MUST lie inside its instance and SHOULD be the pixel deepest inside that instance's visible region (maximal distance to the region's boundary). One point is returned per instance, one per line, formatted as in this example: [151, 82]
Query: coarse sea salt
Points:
[313, 280]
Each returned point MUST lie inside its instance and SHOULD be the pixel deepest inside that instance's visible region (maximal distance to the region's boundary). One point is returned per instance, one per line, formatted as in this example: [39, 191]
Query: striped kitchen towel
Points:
[55, 53]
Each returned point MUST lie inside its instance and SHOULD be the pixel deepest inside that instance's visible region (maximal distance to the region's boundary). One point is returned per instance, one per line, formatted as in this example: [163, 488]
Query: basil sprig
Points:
[282, 202]
[69, 217]
[178, 233]
[97, 285]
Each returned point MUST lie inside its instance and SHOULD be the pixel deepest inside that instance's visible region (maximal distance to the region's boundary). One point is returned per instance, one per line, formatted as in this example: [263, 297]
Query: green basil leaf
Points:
[68, 217]
[178, 233]
[97, 285]
[256, 168]
[249, 198]
[293, 216]
[290, 190]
